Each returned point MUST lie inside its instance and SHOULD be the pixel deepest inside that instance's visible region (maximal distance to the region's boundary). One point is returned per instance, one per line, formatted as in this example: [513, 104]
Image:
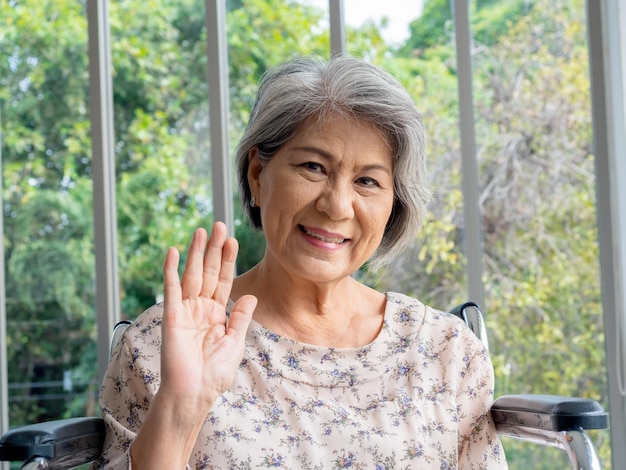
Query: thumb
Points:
[241, 316]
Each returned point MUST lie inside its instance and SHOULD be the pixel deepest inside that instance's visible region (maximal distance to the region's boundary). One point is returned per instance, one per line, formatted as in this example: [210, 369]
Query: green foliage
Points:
[490, 19]
[251, 244]
[263, 33]
[435, 26]
[542, 276]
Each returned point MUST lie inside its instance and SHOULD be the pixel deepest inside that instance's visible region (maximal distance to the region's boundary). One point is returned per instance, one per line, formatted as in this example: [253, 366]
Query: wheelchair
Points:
[547, 420]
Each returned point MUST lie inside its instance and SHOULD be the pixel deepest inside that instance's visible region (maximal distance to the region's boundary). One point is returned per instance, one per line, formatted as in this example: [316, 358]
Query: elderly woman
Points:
[295, 364]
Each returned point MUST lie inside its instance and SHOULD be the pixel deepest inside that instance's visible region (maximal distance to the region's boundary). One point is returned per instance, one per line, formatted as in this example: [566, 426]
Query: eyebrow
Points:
[329, 156]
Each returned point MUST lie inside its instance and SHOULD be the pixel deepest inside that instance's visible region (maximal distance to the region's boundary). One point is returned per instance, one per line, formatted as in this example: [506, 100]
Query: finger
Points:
[227, 271]
[212, 264]
[240, 318]
[192, 275]
[171, 282]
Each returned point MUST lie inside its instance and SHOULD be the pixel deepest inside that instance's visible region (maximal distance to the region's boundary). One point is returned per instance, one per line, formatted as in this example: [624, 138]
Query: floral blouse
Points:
[418, 397]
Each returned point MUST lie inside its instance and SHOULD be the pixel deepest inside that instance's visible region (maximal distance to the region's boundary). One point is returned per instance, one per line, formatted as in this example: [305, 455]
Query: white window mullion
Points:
[217, 59]
[337, 27]
[607, 53]
[4, 378]
[103, 173]
[473, 245]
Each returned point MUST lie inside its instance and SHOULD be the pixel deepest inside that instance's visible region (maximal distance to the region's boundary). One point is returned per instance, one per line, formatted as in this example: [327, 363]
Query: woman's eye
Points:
[366, 181]
[314, 166]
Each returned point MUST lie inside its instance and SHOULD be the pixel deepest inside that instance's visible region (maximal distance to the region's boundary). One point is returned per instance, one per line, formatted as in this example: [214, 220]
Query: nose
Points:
[337, 201]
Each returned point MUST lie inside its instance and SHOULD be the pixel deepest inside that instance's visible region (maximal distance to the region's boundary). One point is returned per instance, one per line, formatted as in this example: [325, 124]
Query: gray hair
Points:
[348, 87]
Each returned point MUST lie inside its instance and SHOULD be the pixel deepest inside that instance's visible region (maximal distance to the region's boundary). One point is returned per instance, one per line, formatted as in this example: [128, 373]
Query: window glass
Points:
[48, 221]
[162, 138]
[534, 137]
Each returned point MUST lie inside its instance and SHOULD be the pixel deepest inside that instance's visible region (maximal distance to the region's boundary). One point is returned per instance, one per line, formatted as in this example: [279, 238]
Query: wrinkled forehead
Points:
[321, 121]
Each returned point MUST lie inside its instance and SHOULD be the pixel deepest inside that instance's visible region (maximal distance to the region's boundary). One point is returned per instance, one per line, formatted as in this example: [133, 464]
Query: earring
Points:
[253, 201]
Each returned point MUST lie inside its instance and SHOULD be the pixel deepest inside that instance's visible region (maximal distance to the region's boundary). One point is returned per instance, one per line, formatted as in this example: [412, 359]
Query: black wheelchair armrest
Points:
[67, 442]
[549, 412]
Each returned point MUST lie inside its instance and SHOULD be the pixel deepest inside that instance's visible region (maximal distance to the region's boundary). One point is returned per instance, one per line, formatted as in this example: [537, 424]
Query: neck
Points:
[344, 313]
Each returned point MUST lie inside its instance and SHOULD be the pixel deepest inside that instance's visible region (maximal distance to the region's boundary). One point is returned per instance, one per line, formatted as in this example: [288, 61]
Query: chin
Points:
[321, 271]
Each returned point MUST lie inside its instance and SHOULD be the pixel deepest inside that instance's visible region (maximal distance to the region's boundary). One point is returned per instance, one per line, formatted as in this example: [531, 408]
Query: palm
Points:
[201, 351]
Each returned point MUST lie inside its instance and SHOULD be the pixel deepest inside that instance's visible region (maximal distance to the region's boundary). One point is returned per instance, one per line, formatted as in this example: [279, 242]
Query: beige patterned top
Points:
[418, 396]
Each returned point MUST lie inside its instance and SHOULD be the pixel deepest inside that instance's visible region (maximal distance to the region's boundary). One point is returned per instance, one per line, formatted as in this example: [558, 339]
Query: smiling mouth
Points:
[337, 241]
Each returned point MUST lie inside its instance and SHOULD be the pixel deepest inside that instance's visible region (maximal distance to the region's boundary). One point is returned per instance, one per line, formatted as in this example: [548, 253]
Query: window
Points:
[48, 217]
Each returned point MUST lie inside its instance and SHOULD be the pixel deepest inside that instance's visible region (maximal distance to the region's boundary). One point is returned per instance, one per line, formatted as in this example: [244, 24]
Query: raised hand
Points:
[201, 349]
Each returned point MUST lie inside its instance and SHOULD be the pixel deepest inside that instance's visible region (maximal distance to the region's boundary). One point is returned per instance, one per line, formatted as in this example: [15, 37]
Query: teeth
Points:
[324, 239]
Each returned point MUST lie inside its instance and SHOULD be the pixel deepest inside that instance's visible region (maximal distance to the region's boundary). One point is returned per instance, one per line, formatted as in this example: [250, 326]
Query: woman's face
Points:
[325, 198]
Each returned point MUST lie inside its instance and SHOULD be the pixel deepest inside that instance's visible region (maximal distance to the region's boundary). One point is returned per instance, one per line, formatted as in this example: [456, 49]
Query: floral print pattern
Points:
[418, 396]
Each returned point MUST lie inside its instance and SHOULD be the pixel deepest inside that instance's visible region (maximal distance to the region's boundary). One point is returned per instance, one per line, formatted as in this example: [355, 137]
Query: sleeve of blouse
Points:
[479, 446]
[130, 382]
[125, 395]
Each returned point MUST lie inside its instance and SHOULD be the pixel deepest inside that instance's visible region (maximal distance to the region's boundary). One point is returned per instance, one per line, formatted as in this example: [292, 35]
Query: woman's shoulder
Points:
[135, 357]
[145, 330]
[410, 308]
[410, 311]
[435, 332]
[149, 319]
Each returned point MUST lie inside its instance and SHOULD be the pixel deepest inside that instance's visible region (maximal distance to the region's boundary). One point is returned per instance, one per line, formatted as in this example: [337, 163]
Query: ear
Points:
[254, 170]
